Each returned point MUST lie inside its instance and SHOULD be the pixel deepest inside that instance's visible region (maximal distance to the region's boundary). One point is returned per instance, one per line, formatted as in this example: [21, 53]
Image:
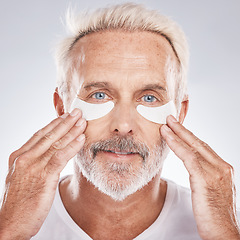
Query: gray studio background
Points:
[29, 30]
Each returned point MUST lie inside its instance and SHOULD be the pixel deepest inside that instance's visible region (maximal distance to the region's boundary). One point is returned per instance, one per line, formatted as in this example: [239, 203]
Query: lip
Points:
[120, 155]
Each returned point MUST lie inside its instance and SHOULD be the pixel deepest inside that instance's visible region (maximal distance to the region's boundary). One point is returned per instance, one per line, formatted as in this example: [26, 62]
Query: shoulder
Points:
[180, 218]
[238, 214]
[179, 194]
[58, 224]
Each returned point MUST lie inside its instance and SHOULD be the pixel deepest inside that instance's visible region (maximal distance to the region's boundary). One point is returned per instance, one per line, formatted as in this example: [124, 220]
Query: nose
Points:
[122, 121]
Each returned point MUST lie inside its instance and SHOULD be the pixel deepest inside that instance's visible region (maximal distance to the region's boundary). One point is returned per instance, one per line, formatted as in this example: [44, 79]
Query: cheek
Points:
[144, 131]
[97, 130]
[150, 134]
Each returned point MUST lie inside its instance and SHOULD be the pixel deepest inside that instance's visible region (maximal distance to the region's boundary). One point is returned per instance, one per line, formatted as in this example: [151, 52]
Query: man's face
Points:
[123, 150]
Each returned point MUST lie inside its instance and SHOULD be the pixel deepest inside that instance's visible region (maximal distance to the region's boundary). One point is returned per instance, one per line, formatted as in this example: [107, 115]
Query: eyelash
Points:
[156, 99]
[91, 95]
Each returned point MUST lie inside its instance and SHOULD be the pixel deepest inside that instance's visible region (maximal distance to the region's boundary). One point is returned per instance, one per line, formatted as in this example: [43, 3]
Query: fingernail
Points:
[64, 115]
[74, 112]
[80, 122]
[172, 118]
[80, 138]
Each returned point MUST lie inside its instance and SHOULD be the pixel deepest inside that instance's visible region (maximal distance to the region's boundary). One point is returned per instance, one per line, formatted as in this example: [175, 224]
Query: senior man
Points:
[125, 67]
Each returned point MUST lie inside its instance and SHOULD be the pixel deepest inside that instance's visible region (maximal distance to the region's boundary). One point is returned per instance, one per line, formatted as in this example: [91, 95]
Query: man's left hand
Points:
[211, 182]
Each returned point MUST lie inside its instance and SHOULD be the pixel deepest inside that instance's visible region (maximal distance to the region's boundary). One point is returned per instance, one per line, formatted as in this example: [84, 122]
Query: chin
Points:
[118, 181]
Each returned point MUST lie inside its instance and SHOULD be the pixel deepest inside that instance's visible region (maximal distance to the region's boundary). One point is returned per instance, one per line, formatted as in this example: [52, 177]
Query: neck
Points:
[102, 218]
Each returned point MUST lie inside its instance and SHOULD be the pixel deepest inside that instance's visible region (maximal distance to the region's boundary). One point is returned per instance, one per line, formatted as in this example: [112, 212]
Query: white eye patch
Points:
[158, 114]
[93, 111]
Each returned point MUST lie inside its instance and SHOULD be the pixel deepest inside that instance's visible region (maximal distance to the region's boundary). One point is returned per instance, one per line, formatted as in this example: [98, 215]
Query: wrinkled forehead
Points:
[133, 57]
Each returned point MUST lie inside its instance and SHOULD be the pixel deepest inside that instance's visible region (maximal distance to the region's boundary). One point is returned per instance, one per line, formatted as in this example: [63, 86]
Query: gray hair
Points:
[128, 17]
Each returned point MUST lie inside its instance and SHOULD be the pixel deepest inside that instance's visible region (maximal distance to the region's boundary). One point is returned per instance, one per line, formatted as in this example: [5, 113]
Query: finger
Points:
[75, 132]
[58, 132]
[61, 157]
[191, 159]
[35, 138]
[194, 142]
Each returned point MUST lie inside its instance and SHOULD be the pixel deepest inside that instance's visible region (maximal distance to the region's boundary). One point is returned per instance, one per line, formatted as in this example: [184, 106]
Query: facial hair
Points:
[119, 180]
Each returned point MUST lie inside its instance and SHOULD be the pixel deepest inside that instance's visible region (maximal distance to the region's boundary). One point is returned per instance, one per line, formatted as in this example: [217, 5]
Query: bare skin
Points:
[108, 219]
[211, 181]
[33, 176]
[127, 62]
[113, 60]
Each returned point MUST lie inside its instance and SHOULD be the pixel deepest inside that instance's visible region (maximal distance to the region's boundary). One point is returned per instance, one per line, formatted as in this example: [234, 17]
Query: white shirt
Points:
[175, 222]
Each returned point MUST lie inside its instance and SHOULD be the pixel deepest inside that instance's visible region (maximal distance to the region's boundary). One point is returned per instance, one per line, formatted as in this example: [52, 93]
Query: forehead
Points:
[136, 54]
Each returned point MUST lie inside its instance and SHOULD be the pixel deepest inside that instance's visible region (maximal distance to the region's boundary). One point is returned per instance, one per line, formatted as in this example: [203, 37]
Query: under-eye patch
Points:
[92, 111]
[157, 114]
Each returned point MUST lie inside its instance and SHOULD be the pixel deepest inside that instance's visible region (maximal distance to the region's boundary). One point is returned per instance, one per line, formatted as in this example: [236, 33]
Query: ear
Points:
[58, 103]
[184, 109]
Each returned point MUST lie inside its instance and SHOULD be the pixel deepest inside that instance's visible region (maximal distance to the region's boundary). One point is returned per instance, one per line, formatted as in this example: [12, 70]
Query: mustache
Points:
[120, 144]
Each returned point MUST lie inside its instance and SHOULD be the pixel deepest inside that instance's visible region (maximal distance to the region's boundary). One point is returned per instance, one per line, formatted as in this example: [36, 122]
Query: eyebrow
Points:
[106, 84]
[96, 85]
[153, 86]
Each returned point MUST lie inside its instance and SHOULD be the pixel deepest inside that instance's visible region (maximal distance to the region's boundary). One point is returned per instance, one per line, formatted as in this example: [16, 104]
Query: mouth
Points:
[120, 152]
[119, 155]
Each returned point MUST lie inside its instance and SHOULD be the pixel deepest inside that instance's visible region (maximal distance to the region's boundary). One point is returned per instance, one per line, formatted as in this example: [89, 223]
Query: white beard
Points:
[119, 180]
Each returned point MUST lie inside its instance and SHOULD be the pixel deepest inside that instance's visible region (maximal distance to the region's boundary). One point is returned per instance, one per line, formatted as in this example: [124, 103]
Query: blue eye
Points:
[99, 95]
[149, 98]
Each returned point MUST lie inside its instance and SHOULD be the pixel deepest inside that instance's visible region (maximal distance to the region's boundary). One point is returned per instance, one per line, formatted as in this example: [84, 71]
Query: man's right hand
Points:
[34, 172]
